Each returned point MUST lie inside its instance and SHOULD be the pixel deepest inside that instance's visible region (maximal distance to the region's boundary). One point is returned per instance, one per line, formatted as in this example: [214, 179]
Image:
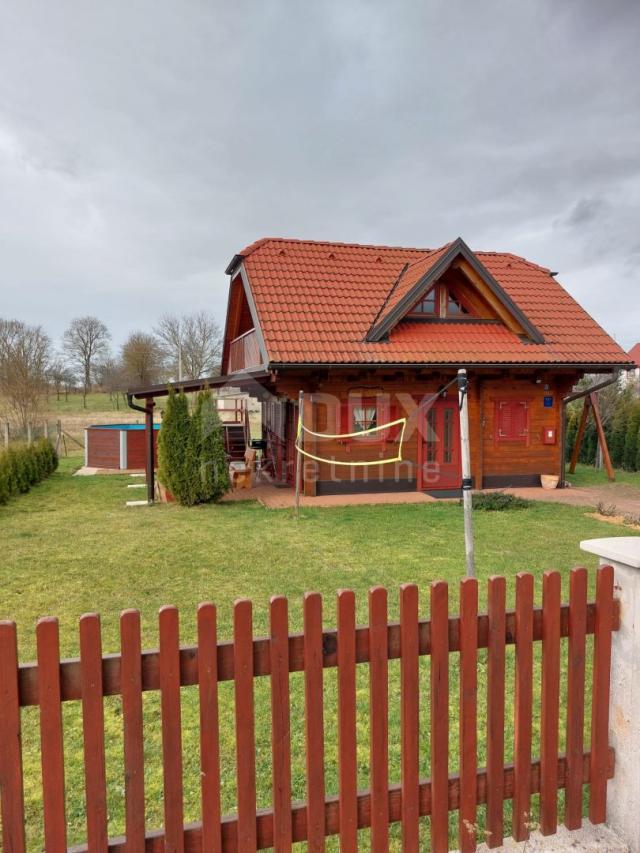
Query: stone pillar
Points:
[623, 791]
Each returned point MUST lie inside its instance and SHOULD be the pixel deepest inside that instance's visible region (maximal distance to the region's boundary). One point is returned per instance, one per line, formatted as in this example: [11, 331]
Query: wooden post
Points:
[465, 450]
[150, 460]
[580, 434]
[45, 429]
[29, 434]
[6, 434]
[299, 457]
[602, 439]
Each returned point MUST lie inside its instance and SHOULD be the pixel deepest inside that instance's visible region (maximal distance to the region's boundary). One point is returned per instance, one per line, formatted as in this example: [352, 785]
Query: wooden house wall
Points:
[494, 464]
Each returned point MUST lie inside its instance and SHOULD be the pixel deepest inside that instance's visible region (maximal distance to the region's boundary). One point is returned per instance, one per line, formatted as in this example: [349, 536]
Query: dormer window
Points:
[441, 302]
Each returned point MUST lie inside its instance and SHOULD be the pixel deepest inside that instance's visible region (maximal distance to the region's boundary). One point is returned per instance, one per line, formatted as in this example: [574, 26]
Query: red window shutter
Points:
[394, 431]
[521, 420]
[345, 420]
[512, 420]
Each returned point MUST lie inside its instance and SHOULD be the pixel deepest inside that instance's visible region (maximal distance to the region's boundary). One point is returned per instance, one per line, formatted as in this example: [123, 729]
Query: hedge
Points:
[22, 466]
[622, 434]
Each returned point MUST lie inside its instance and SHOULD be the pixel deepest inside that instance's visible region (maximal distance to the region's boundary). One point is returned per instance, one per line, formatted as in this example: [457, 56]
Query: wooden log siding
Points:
[403, 800]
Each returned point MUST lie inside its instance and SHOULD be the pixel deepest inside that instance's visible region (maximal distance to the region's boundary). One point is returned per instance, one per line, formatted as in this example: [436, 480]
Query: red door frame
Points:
[448, 475]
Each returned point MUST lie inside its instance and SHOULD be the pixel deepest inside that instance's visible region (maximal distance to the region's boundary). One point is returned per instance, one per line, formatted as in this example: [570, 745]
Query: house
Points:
[633, 377]
[372, 334]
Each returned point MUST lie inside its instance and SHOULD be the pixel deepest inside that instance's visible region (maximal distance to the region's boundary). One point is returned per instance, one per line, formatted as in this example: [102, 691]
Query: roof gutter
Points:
[149, 458]
[578, 395]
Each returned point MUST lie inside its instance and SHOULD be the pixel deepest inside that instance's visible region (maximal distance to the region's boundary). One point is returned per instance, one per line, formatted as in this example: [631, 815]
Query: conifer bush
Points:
[193, 465]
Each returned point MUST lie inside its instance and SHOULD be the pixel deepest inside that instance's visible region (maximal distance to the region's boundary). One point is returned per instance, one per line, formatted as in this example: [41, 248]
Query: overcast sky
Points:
[143, 143]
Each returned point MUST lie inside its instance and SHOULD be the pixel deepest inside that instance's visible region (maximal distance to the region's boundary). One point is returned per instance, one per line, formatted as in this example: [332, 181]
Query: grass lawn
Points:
[587, 475]
[97, 401]
[71, 546]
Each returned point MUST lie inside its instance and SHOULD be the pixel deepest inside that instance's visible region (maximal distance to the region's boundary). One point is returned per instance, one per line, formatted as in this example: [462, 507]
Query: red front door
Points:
[439, 447]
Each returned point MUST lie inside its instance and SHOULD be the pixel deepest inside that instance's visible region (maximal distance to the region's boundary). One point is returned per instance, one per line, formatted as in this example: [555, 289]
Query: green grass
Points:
[587, 475]
[71, 546]
[97, 401]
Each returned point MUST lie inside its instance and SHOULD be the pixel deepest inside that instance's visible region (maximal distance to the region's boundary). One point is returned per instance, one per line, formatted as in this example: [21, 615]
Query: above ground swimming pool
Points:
[119, 446]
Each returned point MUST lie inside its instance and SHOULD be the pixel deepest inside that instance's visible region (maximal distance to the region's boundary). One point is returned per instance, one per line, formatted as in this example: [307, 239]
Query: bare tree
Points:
[112, 377]
[142, 359]
[192, 344]
[85, 341]
[60, 375]
[24, 357]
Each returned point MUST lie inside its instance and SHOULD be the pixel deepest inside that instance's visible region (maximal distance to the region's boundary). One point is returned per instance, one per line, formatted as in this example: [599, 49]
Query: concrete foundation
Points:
[588, 839]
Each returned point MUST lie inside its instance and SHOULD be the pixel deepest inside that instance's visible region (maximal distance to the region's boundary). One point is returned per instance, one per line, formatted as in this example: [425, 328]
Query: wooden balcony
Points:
[244, 352]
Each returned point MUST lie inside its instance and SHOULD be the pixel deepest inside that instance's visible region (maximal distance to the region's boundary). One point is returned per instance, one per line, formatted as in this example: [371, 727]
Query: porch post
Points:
[623, 791]
[150, 460]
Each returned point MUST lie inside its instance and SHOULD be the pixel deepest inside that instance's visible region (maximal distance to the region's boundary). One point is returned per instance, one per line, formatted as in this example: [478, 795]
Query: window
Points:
[360, 413]
[440, 302]
[427, 304]
[454, 307]
[512, 421]
[364, 416]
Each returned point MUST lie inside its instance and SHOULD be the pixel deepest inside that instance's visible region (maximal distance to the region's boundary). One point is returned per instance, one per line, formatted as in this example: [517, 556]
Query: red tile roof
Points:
[316, 302]
[634, 354]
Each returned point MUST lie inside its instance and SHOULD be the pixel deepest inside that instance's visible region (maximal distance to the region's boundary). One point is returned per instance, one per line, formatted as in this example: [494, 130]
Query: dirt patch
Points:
[613, 519]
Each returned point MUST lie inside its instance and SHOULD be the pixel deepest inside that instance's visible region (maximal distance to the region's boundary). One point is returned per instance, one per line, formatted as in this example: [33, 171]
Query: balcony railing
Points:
[244, 352]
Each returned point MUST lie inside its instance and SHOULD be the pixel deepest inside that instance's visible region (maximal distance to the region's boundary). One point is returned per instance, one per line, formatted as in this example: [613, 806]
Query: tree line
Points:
[32, 365]
[620, 410]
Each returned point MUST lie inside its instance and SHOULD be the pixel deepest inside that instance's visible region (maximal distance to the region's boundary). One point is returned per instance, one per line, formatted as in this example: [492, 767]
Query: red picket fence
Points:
[49, 683]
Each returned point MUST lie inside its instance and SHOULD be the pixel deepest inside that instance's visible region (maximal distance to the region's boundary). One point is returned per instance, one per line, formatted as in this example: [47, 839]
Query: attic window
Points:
[440, 302]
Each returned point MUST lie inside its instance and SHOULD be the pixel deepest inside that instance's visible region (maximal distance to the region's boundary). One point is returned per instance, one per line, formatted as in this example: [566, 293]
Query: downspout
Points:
[577, 395]
[149, 461]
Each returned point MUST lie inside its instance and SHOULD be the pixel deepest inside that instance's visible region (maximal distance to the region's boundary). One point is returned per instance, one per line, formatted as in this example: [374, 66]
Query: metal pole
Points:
[466, 472]
[298, 454]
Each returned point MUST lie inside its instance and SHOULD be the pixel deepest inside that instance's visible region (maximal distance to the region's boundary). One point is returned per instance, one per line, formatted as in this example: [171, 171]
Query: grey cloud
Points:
[142, 144]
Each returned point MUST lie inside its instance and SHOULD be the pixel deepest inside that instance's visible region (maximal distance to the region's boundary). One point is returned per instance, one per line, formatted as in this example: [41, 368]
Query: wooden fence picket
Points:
[11, 785]
[575, 697]
[245, 725]
[550, 702]
[131, 687]
[347, 738]
[171, 728]
[280, 724]
[439, 697]
[209, 728]
[495, 711]
[51, 739]
[523, 707]
[93, 731]
[468, 712]
[314, 722]
[379, 713]
[409, 716]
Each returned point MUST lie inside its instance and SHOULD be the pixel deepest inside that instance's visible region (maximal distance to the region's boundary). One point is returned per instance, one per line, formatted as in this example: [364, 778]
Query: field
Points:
[71, 546]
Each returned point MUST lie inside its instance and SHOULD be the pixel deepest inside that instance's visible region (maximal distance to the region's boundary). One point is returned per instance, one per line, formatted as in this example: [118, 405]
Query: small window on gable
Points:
[455, 308]
[427, 305]
[511, 421]
[441, 302]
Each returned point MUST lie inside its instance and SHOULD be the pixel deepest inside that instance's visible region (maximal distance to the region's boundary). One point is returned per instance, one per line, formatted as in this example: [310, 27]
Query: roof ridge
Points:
[264, 240]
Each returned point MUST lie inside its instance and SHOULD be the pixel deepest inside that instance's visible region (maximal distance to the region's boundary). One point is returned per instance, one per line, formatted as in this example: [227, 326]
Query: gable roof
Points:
[318, 301]
[634, 354]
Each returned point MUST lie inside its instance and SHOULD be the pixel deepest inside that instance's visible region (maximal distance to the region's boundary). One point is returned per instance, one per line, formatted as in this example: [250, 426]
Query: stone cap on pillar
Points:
[618, 549]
